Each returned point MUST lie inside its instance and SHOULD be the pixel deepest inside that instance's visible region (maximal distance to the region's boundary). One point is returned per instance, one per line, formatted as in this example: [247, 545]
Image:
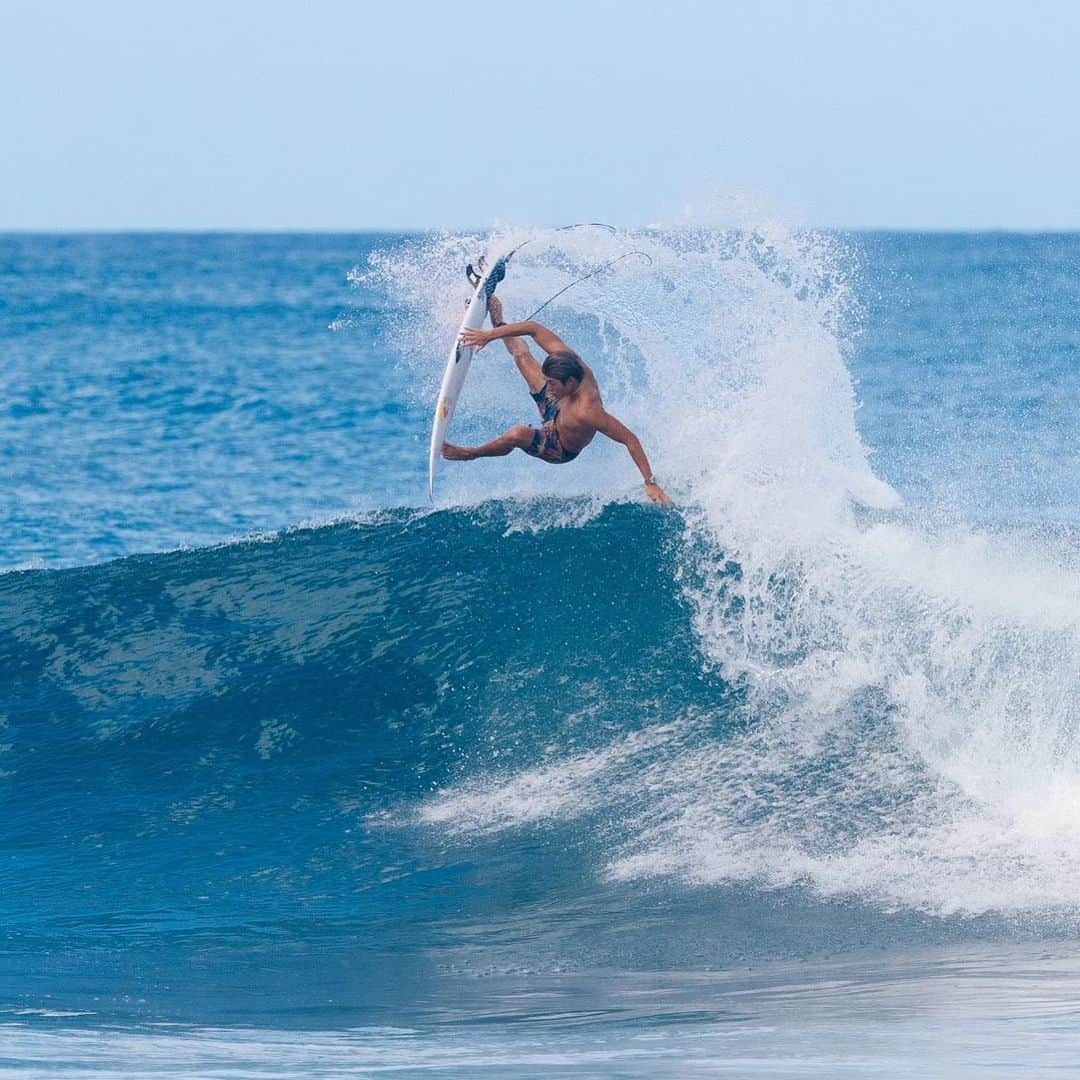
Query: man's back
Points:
[579, 411]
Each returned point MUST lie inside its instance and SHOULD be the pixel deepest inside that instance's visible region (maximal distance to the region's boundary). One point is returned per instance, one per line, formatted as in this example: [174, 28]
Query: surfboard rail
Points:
[456, 369]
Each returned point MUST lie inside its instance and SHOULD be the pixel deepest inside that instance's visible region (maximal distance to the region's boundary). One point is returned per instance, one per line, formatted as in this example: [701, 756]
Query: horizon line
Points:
[155, 230]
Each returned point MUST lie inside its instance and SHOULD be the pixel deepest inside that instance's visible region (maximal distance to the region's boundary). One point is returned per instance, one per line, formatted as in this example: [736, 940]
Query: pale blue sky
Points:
[337, 115]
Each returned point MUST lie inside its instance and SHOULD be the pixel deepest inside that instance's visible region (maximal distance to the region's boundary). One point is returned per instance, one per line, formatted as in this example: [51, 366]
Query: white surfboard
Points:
[457, 367]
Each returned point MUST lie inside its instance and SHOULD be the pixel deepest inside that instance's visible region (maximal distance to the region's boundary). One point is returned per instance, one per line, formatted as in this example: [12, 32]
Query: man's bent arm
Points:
[545, 338]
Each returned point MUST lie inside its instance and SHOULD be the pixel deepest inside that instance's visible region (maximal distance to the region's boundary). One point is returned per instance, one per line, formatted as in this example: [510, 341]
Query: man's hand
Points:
[476, 338]
[657, 494]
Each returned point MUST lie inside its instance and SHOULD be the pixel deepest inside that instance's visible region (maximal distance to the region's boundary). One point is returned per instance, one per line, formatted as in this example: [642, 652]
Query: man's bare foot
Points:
[456, 453]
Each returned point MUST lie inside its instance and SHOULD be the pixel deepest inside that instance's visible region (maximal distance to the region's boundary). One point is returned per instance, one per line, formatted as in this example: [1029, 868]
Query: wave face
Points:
[449, 739]
[222, 761]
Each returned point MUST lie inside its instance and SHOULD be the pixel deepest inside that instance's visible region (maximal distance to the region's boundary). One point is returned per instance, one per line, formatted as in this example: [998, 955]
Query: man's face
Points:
[559, 389]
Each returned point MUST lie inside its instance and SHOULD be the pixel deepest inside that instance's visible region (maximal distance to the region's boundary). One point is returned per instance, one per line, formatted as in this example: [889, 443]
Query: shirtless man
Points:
[567, 395]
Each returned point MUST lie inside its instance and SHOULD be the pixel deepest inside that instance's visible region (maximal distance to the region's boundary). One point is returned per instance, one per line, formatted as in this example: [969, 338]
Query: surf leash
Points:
[562, 228]
[498, 271]
[585, 277]
[565, 228]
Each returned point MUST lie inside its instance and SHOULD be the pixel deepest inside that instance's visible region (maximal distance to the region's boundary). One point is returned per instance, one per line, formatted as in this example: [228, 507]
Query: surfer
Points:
[568, 397]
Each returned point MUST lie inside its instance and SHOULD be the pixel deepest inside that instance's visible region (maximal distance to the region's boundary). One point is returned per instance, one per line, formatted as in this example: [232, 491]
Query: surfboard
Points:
[457, 366]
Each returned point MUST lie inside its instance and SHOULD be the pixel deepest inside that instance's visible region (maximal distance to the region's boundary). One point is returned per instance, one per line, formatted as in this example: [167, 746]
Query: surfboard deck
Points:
[457, 367]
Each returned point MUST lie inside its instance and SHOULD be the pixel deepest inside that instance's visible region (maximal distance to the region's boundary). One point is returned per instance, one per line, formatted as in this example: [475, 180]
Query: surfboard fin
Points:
[498, 272]
[475, 276]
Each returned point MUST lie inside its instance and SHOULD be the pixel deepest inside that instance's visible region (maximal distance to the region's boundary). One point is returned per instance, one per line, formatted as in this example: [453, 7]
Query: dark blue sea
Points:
[301, 775]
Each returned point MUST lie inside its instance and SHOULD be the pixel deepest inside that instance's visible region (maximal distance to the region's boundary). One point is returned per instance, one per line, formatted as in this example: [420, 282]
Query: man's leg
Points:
[526, 362]
[516, 438]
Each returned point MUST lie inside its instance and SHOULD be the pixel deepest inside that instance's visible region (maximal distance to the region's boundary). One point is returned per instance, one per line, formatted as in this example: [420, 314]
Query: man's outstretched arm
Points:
[616, 430]
[545, 338]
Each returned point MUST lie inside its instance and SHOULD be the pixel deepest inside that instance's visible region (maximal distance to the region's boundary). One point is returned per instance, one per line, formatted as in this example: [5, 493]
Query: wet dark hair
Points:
[562, 365]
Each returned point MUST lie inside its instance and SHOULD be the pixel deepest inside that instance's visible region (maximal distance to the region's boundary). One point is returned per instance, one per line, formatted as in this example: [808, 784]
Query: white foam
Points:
[565, 788]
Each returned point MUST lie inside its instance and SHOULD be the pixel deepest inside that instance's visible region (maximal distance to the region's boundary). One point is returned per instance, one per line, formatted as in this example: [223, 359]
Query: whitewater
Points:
[302, 776]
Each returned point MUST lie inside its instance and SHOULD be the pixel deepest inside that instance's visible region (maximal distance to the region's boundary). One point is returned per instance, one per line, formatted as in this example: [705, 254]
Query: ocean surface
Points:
[303, 776]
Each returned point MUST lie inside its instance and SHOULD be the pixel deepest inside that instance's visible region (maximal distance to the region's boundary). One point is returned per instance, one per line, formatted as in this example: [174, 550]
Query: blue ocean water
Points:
[304, 777]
